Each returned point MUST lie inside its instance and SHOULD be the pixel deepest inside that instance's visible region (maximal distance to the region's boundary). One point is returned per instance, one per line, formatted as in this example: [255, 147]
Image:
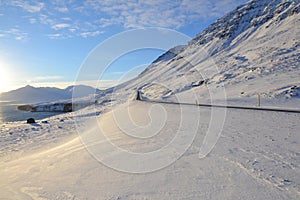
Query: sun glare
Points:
[4, 79]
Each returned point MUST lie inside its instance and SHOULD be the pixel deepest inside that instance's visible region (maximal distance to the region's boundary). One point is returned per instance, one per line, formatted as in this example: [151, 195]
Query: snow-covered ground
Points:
[253, 159]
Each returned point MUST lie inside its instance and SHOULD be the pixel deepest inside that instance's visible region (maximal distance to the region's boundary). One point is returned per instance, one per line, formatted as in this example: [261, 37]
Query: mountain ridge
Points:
[252, 15]
[30, 94]
[251, 50]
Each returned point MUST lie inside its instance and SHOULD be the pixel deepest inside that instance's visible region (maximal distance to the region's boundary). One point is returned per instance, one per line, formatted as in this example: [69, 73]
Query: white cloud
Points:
[72, 30]
[133, 14]
[60, 26]
[16, 34]
[161, 13]
[32, 20]
[105, 22]
[203, 9]
[91, 34]
[13, 31]
[21, 38]
[32, 8]
[45, 19]
[62, 9]
[66, 18]
[92, 16]
[55, 35]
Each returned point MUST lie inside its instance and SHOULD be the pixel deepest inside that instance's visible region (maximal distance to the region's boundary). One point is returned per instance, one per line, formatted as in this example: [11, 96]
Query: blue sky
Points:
[44, 43]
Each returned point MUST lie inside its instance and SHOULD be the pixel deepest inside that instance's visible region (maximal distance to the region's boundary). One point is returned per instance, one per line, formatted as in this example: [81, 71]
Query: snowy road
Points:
[272, 109]
[256, 157]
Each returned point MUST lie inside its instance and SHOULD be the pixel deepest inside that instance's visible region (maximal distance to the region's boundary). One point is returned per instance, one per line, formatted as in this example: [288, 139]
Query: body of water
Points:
[9, 113]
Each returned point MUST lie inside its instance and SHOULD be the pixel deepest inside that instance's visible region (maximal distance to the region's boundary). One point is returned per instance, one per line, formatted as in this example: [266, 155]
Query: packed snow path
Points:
[254, 158]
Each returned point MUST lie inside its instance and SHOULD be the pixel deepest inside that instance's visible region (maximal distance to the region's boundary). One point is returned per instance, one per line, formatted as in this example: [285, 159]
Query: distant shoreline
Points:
[10, 113]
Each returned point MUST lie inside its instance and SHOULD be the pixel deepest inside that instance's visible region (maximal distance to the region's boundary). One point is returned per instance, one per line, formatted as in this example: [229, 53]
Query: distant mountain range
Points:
[29, 94]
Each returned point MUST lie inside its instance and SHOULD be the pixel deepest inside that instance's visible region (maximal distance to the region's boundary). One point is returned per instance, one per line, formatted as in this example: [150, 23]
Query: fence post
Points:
[259, 102]
[138, 96]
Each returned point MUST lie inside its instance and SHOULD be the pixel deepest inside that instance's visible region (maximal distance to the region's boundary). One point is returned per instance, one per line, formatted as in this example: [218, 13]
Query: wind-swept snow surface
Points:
[253, 159]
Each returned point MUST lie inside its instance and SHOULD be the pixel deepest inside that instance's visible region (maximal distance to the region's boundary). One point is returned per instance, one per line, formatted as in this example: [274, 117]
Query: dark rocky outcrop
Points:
[30, 121]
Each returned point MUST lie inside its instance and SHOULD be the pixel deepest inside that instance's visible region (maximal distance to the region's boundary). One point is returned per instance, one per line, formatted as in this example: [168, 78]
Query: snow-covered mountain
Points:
[252, 50]
[29, 94]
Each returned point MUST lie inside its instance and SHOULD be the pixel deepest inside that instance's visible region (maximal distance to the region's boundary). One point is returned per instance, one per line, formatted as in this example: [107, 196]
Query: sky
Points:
[44, 43]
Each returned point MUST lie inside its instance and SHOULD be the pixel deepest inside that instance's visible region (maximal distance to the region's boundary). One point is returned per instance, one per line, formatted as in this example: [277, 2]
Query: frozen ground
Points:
[253, 159]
